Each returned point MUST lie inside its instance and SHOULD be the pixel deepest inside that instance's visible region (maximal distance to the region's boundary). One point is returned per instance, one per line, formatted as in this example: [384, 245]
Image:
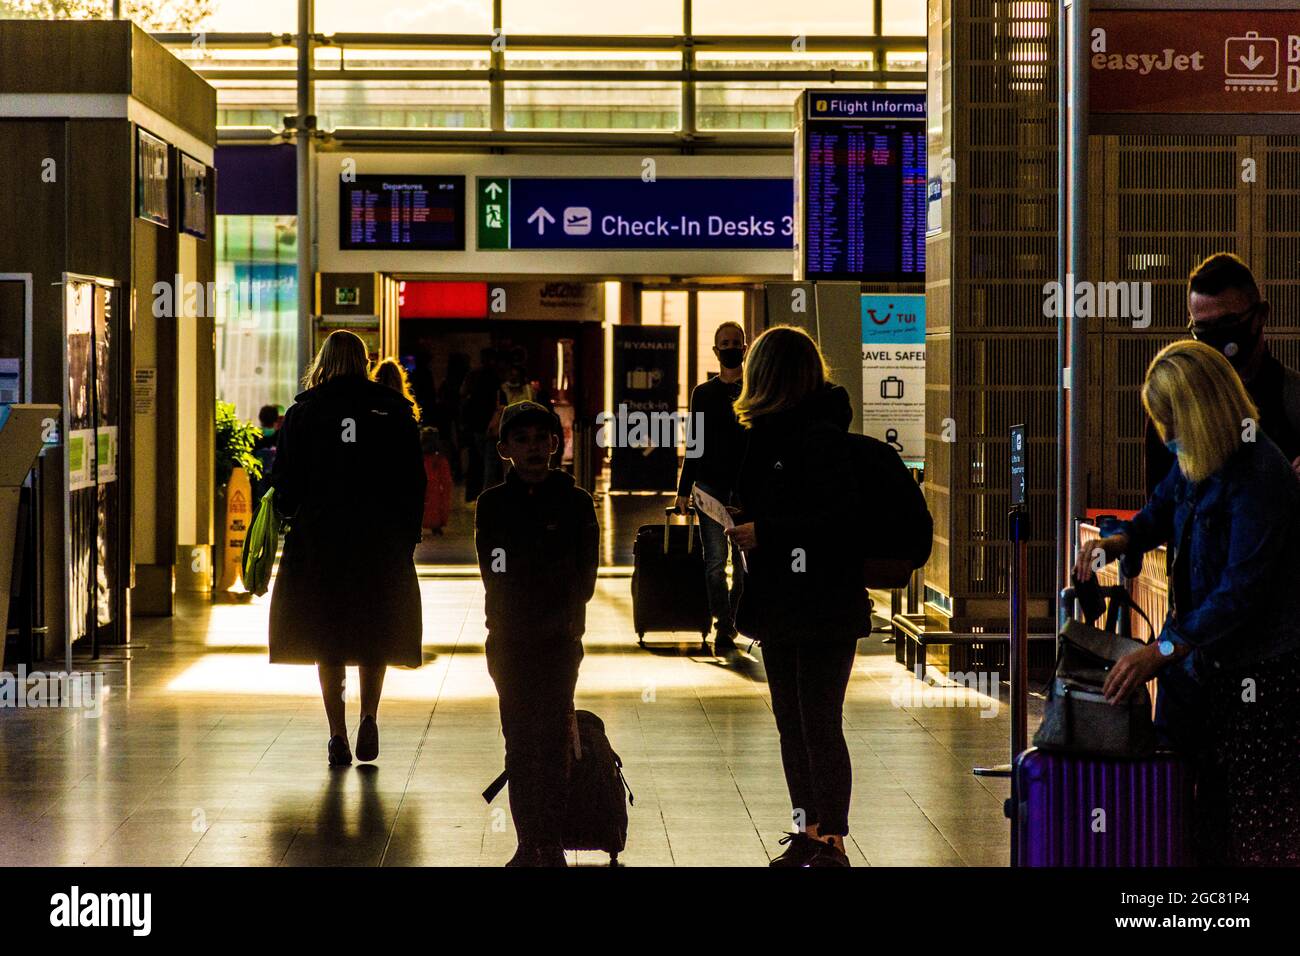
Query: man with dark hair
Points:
[721, 442]
[1226, 312]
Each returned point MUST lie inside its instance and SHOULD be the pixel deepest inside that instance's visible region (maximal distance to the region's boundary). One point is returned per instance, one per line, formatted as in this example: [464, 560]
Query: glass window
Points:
[247, 16]
[590, 105]
[254, 102]
[903, 18]
[395, 104]
[257, 314]
[912, 61]
[403, 16]
[863, 60]
[746, 106]
[586, 17]
[783, 18]
[631, 61]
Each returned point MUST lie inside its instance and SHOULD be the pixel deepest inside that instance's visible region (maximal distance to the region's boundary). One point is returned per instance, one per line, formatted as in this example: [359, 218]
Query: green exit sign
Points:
[494, 213]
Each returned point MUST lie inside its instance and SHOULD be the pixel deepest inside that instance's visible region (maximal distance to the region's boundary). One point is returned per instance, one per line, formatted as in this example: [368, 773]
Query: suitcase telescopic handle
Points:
[690, 523]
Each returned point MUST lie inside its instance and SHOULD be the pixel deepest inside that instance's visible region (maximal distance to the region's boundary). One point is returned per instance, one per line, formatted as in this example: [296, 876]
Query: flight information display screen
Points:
[864, 188]
[418, 213]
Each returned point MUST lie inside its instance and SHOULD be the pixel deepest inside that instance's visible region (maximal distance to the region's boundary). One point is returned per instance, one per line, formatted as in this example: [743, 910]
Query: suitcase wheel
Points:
[640, 638]
[613, 859]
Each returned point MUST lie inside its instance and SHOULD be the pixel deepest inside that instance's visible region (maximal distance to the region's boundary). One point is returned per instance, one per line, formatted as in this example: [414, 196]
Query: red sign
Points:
[1194, 61]
[443, 300]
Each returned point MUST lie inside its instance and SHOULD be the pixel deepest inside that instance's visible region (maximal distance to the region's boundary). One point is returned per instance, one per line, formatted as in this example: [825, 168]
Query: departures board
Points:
[861, 190]
[419, 213]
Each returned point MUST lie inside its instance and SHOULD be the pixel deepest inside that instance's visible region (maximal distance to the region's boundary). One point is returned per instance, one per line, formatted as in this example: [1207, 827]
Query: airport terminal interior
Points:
[575, 203]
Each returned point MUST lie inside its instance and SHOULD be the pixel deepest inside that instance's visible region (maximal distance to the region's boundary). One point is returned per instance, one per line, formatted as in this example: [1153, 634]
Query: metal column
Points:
[304, 128]
[1072, 265]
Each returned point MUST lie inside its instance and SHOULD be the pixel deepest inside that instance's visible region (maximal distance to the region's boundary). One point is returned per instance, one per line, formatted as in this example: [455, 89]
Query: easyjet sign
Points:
[1194, 61]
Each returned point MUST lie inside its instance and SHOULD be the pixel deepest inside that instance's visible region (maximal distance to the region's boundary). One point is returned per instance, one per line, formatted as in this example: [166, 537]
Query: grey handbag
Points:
[1077, 718]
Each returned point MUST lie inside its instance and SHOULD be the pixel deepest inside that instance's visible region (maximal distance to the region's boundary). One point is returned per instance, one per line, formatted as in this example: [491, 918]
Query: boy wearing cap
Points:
[538, 550]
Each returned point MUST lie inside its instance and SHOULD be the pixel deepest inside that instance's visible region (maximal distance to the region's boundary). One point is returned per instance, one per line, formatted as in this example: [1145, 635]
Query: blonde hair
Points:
[782, 368]
[390, 372]
[1193, 395]
[342, 353]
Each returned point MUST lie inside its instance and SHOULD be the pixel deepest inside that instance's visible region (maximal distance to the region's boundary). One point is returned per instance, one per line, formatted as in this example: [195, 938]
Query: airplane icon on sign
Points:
[577, 220]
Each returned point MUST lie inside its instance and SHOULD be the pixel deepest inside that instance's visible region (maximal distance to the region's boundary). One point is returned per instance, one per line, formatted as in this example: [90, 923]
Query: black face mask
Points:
[731, 358]
[1237, 342]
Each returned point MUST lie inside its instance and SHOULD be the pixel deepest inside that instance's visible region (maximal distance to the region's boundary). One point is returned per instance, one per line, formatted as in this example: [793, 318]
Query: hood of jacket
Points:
[829, 404]
[358, 388]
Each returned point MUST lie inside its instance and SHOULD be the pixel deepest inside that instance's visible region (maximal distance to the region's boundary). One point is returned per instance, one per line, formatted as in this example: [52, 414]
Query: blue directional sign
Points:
[630, 213]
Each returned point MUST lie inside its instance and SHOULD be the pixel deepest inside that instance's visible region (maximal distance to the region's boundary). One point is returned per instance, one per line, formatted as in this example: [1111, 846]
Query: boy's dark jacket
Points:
[538, 550]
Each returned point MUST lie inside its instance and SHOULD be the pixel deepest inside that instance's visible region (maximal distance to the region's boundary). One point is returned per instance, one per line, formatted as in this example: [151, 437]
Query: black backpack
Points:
[899, 531]
[595, 814]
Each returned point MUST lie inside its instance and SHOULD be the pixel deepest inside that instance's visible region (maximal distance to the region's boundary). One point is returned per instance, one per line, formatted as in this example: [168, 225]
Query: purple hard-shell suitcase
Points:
[1072, 810]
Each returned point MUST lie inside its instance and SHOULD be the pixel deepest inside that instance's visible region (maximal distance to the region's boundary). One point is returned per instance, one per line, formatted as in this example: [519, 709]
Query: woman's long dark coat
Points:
[349, 476]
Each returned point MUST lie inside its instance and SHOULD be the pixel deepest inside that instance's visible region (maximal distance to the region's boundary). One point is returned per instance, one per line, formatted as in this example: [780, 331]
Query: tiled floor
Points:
[205, 754]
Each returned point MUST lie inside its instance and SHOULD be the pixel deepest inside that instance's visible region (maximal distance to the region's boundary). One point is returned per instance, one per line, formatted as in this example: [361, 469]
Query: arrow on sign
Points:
[1253, 60]
[493, 190]
[541, 217]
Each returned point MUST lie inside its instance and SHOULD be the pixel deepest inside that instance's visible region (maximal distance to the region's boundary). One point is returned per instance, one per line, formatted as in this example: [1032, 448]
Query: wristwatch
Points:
[1166, 648]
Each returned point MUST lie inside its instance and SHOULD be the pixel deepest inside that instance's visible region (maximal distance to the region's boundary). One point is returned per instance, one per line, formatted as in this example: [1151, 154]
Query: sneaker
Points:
[339, 754]
[367, 739]
[800, 850]
[827, 854]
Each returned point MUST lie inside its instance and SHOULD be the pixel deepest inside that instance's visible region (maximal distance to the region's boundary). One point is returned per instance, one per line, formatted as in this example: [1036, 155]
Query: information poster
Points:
[194, 197]
[10, 381]
[642, 433]
[152, 177]
[893, 372]
[80, 462]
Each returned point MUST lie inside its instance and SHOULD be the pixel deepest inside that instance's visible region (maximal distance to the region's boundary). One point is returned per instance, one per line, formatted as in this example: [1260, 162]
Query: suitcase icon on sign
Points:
[1250, 62]
[891, 387]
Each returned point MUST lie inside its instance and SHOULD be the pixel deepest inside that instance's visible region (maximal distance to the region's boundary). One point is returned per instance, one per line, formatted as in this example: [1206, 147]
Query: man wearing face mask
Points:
[1226, 312]
[721, 445]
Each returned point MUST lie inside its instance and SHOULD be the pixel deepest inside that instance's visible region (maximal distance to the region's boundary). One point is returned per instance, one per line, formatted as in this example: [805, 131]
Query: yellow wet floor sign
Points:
[239, 516]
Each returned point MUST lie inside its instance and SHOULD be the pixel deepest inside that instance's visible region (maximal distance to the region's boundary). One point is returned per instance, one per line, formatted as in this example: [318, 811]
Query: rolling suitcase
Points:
[437, 491]
[1071, 810]
[668, 590]
[1076, 809]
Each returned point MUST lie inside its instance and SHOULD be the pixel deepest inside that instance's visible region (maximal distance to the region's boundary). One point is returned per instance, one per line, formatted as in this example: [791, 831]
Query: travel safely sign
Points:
[1194, 61]
[634, 213]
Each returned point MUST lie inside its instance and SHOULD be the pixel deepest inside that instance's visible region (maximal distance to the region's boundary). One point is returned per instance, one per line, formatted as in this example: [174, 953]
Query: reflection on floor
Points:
[205, 754]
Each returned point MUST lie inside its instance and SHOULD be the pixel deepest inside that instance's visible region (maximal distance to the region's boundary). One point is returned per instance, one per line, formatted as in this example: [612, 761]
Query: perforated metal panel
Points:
[991, 357]
[1157, 206]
